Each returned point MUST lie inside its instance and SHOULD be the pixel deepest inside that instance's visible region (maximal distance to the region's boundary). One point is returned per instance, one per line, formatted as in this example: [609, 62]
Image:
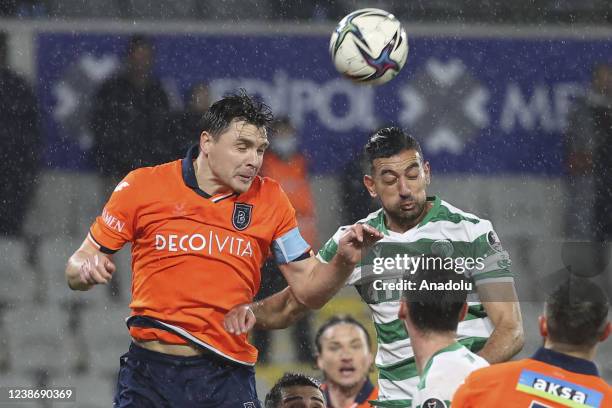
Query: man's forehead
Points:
[343, 331]
[242, 129]
[402, 160]
[305, 392]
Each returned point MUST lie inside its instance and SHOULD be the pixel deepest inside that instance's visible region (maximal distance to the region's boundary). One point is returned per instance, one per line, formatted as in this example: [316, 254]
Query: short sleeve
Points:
[494, 265]
[115, 225]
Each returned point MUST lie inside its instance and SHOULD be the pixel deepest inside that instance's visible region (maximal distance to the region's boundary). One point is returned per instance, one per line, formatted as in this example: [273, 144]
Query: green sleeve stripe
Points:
[390, 332]
[474, 344]
[498, 273]
[399, 373]
[329, 250]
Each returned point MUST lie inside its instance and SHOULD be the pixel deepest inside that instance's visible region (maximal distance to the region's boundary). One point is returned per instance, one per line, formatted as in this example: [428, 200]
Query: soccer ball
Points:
[369, 46]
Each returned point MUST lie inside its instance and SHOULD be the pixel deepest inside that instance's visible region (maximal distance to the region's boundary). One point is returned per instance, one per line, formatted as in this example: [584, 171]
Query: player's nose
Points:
[404, 188]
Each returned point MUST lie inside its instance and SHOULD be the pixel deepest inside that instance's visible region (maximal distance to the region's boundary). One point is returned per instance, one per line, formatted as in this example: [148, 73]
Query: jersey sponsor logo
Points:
[112, 222]
[241, 217]
[560, 391]
[211, 243]
[433, 403]
[121, 186]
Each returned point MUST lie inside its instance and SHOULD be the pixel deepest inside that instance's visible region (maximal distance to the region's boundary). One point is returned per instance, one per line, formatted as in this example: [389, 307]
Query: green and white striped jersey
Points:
[447, 232]
[443, 374]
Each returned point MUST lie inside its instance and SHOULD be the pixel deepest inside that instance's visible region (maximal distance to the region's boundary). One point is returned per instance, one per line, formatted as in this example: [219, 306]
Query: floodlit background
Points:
[499, 94]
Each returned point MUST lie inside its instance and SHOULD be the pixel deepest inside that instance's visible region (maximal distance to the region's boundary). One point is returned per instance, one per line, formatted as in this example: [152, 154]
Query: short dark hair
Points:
[339, 319]
[436, 310]
[274, 397]
[389, 141]
[576, 312]
[239, 106]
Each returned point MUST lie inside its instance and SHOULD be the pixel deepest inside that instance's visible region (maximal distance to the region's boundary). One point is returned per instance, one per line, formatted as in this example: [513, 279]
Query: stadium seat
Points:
[106, 336]
[18, 279]
[37, 339]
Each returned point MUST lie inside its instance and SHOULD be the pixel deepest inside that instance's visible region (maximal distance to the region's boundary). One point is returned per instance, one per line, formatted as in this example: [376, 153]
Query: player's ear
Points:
[403, 311]
[318, 361]
[206, 140]
[606, 332]
[368, 181]
[543, 326]
[427, 170]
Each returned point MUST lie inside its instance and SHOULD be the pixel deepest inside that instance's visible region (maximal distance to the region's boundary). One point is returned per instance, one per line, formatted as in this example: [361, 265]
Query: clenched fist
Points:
[96, 269]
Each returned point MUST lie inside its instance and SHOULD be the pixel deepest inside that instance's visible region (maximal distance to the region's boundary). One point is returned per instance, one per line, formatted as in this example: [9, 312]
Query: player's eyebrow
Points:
[250, 142]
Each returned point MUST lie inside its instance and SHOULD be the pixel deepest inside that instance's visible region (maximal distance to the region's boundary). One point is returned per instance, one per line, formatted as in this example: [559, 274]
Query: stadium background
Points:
[486, 92]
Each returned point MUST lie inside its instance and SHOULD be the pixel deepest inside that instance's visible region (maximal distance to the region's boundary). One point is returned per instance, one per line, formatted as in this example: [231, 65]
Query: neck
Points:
[207, 181]
[425, 345]
[585, 354]
[343, 397]
[402, 226]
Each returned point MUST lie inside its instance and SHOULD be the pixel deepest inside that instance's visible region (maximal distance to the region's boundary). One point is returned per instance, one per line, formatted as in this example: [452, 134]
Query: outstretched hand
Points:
[355, 240]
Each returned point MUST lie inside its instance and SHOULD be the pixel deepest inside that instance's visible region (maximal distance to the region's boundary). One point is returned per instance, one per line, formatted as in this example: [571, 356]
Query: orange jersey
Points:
[368, 392]
[548, 379]
[194, 257]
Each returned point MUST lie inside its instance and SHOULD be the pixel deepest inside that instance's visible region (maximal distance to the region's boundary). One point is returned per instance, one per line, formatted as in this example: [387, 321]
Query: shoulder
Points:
[494, 373]
[152, 177]
[266, 188]
[455, 219]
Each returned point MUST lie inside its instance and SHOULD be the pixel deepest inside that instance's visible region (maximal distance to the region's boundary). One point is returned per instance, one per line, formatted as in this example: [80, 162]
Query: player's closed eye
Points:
[389, 179]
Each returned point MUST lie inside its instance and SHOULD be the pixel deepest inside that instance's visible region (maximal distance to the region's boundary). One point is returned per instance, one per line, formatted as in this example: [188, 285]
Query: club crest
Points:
[241, 218]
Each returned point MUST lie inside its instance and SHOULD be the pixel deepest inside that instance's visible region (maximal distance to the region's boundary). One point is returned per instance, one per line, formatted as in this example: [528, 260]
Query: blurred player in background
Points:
[431, 318]
[295, 391]
[200, 229]
[415, 224]
[562, 372]
[345, 357]
[286, 164]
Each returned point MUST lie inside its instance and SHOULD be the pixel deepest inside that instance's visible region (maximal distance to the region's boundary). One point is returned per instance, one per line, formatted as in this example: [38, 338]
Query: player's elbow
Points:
[515, 334]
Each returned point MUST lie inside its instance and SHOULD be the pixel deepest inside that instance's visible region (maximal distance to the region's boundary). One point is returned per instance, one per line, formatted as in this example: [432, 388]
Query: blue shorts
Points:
[156, 380]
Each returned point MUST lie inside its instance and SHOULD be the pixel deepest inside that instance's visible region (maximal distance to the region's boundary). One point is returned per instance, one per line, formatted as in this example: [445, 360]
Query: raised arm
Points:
[88, 267]
[311, 284]
[314, 282]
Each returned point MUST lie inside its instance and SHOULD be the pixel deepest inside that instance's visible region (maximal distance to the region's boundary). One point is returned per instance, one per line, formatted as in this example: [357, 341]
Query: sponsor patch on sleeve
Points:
[557, 390]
